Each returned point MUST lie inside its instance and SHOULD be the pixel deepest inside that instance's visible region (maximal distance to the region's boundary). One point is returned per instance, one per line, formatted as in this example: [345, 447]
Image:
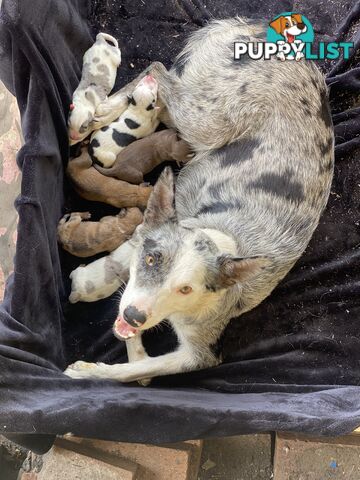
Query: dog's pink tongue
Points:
[290, 38]
[123, 329]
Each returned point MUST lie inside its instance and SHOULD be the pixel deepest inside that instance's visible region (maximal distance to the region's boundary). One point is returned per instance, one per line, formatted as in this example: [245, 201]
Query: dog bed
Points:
[292, 364]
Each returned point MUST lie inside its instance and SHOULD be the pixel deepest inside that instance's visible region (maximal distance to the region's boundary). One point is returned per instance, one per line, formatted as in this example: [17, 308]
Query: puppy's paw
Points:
[65, 218]
[145, 382]
[103, 109]
[74, 297]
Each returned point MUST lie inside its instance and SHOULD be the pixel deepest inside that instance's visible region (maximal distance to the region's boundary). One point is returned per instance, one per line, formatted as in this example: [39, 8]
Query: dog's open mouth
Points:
[123, 330]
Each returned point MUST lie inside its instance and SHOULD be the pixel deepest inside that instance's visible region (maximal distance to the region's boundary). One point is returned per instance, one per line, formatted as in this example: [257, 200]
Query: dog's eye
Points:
[185, 290]
[287, 24]
[149, 260]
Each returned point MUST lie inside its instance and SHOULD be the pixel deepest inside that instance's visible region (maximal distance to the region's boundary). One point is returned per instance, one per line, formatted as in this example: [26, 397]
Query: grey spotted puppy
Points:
[243, 209]
[99, 70]
[101, 278]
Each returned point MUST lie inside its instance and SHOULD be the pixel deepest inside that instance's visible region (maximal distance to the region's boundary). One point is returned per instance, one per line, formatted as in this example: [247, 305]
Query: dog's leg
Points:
[136, 352]
[74, 217]
[182, 360]
[135, 349]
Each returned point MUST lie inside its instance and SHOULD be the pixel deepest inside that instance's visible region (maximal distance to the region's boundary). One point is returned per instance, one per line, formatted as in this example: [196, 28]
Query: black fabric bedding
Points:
[291, 364]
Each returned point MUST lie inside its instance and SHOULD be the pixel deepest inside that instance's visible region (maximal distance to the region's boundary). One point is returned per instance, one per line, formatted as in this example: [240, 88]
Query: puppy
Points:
[138, 120]
[142, 156]
[101, 278]
[85, 239]
[99, 70]
[91, 185]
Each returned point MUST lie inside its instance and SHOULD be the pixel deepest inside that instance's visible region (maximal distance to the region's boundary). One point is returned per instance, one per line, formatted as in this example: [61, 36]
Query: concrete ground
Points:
[235, 458]
[246, 457]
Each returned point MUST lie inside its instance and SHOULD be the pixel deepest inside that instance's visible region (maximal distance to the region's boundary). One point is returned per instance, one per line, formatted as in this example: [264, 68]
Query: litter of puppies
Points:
[117, 146]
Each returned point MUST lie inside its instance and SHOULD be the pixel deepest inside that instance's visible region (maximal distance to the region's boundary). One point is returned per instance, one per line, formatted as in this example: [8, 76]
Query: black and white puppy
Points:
[139, 120]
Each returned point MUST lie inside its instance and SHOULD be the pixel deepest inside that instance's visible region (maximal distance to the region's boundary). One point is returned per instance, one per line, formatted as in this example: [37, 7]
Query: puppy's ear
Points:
[89, 95]
[297, 17]
[161, 204]
[277, 25]
[233, 269]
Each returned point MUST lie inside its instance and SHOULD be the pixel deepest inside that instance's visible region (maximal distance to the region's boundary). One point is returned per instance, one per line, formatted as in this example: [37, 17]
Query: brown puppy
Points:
[142, 156]
[91, 185]
[85, 239]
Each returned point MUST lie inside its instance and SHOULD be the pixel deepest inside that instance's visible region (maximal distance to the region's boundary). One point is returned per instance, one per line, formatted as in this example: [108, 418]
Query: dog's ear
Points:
[161, 204]
[89, 95]
[297, 17]
[277, 25]
[233, 269]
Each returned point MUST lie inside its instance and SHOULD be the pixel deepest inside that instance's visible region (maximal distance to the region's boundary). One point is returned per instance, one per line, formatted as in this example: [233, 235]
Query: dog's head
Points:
[289, 26]
[175, 272]
[81, 113]
[144, 96]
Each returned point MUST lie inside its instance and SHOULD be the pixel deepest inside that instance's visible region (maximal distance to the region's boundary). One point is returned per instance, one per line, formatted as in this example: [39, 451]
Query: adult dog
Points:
[244, 208]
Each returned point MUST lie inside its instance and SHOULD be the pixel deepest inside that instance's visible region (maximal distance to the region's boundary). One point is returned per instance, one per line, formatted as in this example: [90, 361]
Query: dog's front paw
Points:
[81, 369]
[145, 382]
[103, 109]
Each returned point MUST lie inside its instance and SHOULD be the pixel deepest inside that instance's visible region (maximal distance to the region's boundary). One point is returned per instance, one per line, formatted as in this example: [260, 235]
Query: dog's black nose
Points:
[301, 26]
[133, 317]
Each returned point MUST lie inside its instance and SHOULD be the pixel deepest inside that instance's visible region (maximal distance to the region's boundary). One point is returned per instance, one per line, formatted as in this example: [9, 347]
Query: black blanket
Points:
[291, 364]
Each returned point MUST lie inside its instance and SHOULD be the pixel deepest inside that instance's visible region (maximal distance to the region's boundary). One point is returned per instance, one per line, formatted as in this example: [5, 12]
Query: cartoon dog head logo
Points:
[292, 28]
[289, 26]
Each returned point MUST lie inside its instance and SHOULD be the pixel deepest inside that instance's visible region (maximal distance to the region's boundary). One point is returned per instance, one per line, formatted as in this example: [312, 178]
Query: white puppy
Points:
[139, 120]
[99, 70]
[101, 278]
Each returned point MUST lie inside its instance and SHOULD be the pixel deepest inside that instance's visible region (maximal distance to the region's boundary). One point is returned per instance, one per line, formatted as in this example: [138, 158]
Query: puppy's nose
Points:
[150, 80]
[301, 26]
[134, 317]
[74, 135]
